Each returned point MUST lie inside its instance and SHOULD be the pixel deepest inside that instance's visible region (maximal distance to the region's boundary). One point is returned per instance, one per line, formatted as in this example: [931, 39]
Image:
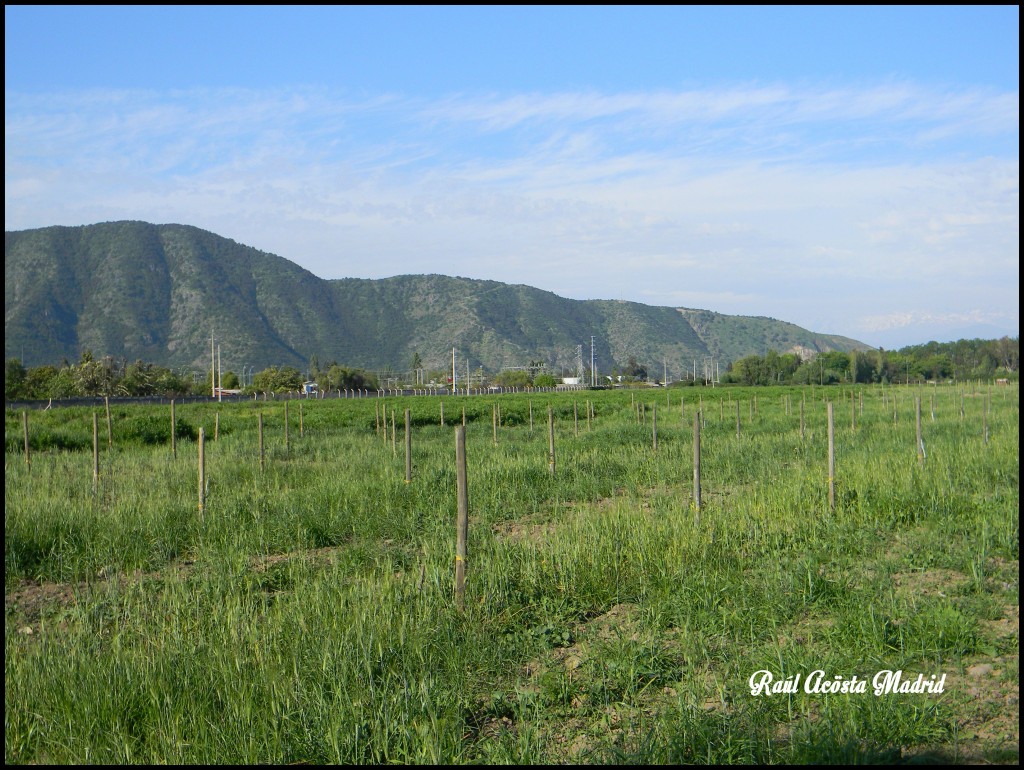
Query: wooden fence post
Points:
[737, 420]
[831, 461]
[95, 453]
[286, 427]
[174, 432]
[575, 420]
[301, 430]
[442, 414]
[110, 427]
[551, 441]
[462, 515]
[261, 441]
[24, 422]
[531, 415]
[216, 423]
[654, 426]
[202, 470]
[494, 423]
[696, 464]
[920, 438]
[408, 446]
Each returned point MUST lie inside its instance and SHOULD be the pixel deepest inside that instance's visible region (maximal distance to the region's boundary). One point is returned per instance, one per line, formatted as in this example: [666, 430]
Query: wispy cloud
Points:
[783, 200]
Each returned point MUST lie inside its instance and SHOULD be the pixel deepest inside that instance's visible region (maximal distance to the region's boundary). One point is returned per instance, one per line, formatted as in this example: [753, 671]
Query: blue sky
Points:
[851, 170]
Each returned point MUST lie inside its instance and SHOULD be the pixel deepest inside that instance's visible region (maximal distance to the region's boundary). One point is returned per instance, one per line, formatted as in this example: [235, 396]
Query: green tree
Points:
[277, 380]
[513, 378]
[15, 377]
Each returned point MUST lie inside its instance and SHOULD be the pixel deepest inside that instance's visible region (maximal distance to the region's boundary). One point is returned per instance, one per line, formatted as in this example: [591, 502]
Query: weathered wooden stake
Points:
[494, 423]
[408, 446]
[737, 419]
[301, 430]
[394, 433]
[110, 431]
[286, 427]
[654, 427]
[462, 515]
[531, 415]
[853, 412]
[216, 423]
[575, 420]
[261, 441]
[463, 417]
[24, 423]
[376, 418]
[174, 432]
[920, 438]
[442, 414]
[696, 464]
[801, 417]
[551, 441]
[202, 470]
[589, 415]
[831, 461]
[95, 453]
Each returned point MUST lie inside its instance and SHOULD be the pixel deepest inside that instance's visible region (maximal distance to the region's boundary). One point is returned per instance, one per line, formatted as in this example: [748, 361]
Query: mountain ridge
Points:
[134, 289]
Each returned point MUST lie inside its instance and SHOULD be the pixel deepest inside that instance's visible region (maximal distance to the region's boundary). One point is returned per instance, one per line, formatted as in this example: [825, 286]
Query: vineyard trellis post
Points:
[551, 441]
[261, 440]
[95, 453]
[831, 461]
[920, 437]
[202, 470]
[696, 464]
[462, 515]
[24, 422]
[110, 427]
[408, 446]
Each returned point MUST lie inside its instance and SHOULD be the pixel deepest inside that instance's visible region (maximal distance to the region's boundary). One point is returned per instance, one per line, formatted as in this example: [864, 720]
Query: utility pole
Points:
[213, 366]
[593, 374]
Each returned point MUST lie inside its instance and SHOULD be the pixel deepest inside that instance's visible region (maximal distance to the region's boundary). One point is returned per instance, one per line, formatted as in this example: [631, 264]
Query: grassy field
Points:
[306, 613]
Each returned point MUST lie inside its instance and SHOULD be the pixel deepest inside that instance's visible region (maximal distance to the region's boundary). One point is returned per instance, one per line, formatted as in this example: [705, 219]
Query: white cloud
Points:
[817, 205]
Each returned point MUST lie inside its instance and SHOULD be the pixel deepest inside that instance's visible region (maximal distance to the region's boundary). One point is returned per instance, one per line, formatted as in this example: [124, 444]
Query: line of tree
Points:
[934, 361]
[108, 376]
[91, 376]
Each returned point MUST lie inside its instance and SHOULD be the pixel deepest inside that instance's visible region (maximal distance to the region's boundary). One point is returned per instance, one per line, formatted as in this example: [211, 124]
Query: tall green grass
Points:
[306, 615]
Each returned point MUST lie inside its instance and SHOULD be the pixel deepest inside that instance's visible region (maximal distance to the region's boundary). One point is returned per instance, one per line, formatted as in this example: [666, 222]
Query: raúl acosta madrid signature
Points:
[764, 682]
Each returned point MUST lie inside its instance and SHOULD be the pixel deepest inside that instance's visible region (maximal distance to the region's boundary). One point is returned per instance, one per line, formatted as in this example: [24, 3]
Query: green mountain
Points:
[135, 290]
